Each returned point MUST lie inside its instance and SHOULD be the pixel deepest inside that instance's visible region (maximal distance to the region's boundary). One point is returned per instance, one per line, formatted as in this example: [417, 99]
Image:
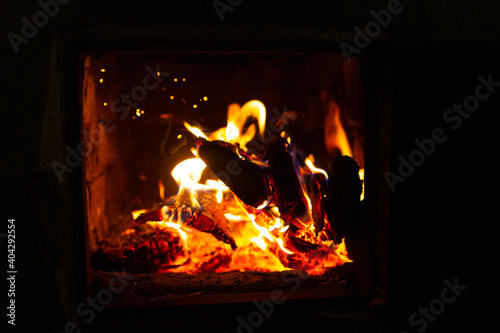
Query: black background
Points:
[442, 219]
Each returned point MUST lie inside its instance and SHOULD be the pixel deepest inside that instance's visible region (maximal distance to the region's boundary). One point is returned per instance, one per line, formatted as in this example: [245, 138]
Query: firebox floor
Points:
[163, 289]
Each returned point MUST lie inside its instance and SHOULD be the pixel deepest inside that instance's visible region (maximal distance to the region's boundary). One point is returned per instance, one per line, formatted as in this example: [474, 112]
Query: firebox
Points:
[220, 177]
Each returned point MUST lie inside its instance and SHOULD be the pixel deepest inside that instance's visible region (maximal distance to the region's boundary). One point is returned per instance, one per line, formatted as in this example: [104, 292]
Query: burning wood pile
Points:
[254, 211]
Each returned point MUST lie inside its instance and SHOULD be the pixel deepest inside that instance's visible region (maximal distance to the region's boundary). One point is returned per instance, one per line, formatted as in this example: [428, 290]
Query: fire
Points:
[237, 117]
[195, 130]
[341, 251]
[188, 173]
[263, 235]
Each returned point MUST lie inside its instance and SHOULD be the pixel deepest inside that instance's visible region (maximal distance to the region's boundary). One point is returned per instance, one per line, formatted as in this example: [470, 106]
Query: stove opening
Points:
[218, 164]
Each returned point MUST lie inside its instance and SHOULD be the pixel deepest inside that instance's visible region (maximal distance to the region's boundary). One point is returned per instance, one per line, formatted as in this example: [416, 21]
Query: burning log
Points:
[213, 221]
[318, 184]
[242, 177]
[204, 223]
[346, 188]
[200, 220]
[210, 219]
[286, 186]
[154, 215]
[302, 245]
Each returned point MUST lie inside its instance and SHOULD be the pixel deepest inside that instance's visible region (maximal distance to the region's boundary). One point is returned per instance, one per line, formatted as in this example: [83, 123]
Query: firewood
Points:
[318, 184]
[302, 245]
[154, 215]
[243, 178]
[171, 210]
[203, 222]
[346, 188]
[209, 219]
[285, 185]
[215, 212]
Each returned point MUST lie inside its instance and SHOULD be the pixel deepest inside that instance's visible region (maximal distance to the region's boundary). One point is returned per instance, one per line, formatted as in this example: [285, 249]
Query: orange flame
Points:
[336, 137]
[237, 117]
[161, 189]
[195, 130]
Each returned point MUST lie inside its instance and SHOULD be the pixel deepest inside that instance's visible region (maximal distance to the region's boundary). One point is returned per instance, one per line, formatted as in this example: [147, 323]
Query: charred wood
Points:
[202, 222]
[242, 177]
[154, 215]
[212, 217]
[318, 184]
[344, 195]
[286, 186]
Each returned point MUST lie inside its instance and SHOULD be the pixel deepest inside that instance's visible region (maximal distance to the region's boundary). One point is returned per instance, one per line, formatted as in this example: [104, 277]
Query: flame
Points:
[232, 217]
[195, 130]
[310, 165]
[187, 174]
[136, 213]
[335, 135]
[161, 189]
[361, 174]
[219, 186]
[341, 252]
[237, 117]
[265, 233]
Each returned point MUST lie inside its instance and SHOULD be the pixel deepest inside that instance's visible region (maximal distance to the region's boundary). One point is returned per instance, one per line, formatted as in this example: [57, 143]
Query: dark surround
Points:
[441, 222]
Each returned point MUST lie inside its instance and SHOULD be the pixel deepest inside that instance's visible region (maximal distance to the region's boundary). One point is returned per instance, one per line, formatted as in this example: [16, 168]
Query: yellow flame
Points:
[259, 241]
[195, 130]
[264, 233]
[335, 135]
[341, 251]
[276, 225]
[136, 213]
[310, 165]
[361, 174]
[187, 174]
[237, 117]
[232, 217]
[179, 230]
[219, 186]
